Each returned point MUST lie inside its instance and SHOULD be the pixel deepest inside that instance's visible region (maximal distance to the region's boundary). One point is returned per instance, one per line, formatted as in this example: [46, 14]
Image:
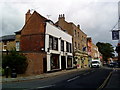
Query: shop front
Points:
[54, 61]
[69, 61]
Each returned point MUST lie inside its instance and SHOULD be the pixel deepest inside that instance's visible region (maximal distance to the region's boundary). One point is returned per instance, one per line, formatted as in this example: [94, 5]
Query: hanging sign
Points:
[115, 35]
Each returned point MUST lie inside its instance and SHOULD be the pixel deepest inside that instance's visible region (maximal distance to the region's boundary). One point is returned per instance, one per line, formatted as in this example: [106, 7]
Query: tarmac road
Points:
[91, 78]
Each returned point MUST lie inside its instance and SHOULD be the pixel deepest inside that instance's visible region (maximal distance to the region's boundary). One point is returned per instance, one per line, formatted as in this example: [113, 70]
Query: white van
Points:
[95, 63]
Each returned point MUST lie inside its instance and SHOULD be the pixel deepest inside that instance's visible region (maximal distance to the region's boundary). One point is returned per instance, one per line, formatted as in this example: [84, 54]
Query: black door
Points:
[63, 63]
[44, 65]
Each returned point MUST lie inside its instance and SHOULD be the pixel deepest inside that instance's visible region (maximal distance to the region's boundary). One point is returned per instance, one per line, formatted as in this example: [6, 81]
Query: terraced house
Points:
[79, 42]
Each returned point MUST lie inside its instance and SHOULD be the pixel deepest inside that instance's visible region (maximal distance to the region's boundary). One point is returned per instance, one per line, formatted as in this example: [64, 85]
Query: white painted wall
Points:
[56, 32]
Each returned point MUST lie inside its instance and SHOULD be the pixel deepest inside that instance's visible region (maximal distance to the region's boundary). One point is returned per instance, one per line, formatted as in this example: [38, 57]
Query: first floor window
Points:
[4, 46]
[62, 45]
[51, 42]
[55, 43]
[17, 45]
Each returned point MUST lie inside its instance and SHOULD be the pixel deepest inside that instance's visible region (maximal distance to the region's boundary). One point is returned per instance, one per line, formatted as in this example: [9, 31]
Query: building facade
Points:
[58, 45]
[79, 42]
[94, 52]
[46, 46]
[7, 42]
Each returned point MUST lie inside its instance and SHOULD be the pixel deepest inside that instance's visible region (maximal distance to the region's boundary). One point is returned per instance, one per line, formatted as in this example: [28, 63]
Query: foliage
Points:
[15, 60]
[106, 49]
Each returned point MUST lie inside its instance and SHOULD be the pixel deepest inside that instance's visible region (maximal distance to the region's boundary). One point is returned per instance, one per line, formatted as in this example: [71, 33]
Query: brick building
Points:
[79, 40]
[42, 43]
[93, 52]
[7, 42]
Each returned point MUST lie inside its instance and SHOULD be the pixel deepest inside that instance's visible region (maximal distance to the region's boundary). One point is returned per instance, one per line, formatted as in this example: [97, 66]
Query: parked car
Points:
[113, 64]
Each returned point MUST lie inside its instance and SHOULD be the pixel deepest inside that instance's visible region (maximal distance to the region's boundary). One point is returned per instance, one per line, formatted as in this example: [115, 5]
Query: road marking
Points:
[45, 86]
[105, 82]
[73, 79]
[86, 73]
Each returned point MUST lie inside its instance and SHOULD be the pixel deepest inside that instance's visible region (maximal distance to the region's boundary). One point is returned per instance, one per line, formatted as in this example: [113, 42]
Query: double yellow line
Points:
[105, 82]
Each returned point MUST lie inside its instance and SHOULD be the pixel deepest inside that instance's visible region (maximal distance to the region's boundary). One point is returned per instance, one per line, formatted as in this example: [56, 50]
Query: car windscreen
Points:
[95, 62]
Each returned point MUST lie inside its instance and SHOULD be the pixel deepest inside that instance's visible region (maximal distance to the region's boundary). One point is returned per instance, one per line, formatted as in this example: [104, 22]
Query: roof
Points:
[7, 38]
[18, 32]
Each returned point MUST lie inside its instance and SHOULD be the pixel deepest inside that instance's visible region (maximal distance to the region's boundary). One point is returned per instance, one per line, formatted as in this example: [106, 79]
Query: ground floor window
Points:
[54, 61]
[69, 61]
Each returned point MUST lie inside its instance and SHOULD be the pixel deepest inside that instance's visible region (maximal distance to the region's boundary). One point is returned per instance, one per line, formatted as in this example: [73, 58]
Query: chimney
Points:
[28, 15]
[78, 26]
[61, 17]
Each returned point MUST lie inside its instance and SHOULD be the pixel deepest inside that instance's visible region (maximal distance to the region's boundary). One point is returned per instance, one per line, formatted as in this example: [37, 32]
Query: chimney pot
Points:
[78, 26]
[63, 15]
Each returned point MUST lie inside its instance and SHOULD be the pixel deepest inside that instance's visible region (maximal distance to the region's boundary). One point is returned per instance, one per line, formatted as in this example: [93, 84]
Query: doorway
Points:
[63, 62]
[44, 65]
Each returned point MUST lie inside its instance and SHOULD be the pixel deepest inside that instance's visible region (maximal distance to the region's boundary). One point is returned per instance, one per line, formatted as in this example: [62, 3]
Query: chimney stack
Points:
[61, 17]
[78, 26]
[28, 15]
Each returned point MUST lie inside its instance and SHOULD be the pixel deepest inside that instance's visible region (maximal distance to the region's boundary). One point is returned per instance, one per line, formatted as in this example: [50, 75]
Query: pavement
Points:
[114, 81]
[41, 76]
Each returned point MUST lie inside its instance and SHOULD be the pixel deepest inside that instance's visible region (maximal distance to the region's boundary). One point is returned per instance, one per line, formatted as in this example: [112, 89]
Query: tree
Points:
[15, 60]
[106, 49]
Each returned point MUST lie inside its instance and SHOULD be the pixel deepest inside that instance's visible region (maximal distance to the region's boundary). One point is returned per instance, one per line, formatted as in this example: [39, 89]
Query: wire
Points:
[114, 26]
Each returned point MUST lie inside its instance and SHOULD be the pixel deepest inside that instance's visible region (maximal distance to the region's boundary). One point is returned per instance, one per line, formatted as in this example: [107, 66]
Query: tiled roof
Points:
[7, 38]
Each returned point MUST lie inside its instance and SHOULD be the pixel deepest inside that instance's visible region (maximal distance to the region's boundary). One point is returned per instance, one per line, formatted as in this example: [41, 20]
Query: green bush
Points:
[15, 60]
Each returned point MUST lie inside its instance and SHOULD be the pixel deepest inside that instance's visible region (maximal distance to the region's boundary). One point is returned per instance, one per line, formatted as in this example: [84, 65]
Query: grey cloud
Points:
[95, 18]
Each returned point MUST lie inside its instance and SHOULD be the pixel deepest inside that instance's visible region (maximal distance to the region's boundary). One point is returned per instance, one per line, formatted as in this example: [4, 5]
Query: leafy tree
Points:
[106, 49]
[15, 60]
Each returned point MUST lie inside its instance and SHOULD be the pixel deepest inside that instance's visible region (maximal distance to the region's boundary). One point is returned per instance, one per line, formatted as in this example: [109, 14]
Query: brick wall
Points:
[35, 63]
[70, 28]
[32, 34]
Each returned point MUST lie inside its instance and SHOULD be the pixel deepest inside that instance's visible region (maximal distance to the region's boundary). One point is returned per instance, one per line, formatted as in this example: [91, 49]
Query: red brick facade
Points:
[32, 42]
[35, 63]
[32, 34]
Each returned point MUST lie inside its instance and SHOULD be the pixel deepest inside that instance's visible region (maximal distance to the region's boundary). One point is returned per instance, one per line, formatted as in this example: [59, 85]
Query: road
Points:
[92, 78]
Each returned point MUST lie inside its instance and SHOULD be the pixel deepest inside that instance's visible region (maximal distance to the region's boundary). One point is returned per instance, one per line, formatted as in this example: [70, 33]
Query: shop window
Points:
[62, 45]
[69, 61]
[54, 61]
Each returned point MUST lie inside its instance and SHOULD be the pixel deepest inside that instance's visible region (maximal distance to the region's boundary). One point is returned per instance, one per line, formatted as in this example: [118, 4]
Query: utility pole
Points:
[119, 33]
[116, 34]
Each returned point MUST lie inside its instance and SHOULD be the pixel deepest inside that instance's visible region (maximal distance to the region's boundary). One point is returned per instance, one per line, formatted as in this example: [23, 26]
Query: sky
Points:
[95, 17]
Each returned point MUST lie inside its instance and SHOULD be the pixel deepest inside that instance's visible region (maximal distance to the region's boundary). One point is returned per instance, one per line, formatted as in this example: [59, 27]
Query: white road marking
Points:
[45, 86]
[73, 79]
[105, 81]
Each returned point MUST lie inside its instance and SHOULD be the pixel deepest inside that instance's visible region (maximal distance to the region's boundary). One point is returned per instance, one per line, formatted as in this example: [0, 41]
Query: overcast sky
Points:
[96, 17]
